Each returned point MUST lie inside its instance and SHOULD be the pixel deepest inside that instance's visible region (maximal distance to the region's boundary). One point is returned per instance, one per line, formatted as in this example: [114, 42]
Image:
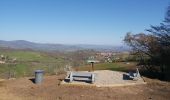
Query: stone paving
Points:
[114, 78]
[108, 78]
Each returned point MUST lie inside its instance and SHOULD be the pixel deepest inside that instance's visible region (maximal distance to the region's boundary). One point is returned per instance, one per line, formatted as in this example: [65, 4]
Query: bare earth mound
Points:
[50, 89]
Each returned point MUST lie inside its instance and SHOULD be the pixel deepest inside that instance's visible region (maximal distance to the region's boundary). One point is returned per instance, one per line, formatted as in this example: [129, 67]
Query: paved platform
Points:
[108, 78]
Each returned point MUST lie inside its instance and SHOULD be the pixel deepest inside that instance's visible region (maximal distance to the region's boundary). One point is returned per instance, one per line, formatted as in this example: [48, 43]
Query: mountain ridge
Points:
[23, 44]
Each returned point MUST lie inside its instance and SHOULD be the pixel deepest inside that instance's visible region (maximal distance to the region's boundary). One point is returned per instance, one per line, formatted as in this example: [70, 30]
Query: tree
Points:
[145, 46]
[155, 45]
[162, 33]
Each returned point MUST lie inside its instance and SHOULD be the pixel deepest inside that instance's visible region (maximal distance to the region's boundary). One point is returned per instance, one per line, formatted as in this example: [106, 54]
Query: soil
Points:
[51, 89]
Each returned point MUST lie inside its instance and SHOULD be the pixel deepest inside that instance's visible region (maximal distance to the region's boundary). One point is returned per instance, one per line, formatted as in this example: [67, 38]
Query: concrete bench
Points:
[135, 75]
[81, 76]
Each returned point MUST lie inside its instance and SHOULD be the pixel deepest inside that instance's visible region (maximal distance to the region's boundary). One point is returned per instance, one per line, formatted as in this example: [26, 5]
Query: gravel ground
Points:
[114, 78]
[107, 78]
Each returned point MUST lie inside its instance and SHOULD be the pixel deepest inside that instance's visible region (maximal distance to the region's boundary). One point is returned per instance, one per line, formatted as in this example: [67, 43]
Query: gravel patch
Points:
[108, 78]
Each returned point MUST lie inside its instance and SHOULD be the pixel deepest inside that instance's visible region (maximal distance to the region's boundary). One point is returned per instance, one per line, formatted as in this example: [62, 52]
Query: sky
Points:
[78, 21]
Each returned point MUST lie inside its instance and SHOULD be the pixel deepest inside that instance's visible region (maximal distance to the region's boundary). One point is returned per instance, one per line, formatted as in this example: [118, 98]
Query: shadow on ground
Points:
[155, 75]
[32, 80]
[126, 77]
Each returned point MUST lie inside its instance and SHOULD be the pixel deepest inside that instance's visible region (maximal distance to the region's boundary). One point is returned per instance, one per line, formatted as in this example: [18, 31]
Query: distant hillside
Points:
[22, 44]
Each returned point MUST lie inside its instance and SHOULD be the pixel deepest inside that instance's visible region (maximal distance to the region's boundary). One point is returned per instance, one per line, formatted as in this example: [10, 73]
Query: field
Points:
[27, 62]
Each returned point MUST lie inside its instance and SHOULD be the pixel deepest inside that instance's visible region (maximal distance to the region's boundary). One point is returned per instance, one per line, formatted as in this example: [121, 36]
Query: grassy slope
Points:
[26, 55]
[28, 61]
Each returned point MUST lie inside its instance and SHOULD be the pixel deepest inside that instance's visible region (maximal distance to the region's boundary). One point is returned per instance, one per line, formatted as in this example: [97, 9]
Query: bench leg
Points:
[71, 77]
[92, 78]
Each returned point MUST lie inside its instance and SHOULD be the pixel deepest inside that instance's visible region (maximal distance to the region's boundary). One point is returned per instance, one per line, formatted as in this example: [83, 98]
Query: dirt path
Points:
[24, 89]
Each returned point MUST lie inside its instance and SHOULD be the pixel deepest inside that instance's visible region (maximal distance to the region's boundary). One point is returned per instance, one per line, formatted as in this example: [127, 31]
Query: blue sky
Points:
[78, 21]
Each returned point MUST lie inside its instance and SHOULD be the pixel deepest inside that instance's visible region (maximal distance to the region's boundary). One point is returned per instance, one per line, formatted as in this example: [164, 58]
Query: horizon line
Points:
[64, 43]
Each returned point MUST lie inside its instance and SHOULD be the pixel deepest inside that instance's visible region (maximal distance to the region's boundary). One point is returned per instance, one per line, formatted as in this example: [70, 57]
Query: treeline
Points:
[153, 48]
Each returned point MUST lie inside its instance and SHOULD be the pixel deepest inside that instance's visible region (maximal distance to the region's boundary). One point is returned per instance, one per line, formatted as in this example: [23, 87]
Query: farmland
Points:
[28, 61]
[21, 63]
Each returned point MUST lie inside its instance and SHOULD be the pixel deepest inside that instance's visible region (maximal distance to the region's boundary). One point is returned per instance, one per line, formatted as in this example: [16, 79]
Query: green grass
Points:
[27, 56]
[21, 69]
[109, 66]
[29, 61]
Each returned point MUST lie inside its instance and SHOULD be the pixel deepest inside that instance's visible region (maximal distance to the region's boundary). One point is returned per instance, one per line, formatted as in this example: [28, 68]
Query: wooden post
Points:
[92, 64]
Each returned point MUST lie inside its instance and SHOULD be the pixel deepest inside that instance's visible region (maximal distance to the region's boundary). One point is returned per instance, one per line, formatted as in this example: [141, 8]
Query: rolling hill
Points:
[22, 44]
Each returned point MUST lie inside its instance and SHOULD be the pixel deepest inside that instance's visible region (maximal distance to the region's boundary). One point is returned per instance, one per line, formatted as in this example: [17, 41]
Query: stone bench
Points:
[81, 76]
[134, 76]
